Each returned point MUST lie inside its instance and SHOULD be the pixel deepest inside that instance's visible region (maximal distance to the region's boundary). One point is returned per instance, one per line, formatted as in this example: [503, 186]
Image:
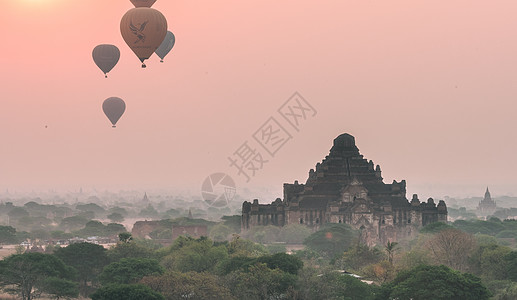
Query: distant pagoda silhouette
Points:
[487, 206]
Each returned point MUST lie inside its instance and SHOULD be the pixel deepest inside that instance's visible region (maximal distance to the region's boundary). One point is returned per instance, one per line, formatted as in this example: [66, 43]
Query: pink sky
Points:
[428, 89]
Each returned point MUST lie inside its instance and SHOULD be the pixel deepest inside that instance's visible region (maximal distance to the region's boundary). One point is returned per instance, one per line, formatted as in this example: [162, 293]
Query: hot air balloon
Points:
[106, 57]
[114, 108]
[143, 3]
[166, 46]
[143, 29]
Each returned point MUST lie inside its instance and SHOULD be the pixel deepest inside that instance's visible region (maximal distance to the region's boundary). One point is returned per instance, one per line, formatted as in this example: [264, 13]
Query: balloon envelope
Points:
[143, 3]
[106, 57]
[166, 46]
[114, 108]
[143, 30]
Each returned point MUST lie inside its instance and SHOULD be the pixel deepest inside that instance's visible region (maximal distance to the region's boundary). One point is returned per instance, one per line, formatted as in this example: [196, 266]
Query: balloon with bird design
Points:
[143, 30]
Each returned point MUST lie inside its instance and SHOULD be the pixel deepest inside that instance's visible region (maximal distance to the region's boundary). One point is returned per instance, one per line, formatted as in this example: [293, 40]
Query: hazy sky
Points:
[428, 89]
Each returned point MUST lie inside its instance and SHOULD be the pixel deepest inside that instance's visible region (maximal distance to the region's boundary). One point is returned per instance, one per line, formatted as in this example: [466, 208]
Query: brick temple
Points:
[347, 188]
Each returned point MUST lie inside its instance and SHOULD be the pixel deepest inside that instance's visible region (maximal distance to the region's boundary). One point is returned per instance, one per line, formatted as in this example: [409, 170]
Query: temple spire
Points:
[487, 194]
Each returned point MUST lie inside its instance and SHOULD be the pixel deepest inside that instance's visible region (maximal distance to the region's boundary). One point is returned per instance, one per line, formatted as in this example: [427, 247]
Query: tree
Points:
[27, 274]
[114, 229]
[17, 213]
[88, 259]
[434, 282]
[116, 217]
[125, 237]
[452, 247]
[390, 249]
[73, 223]
[511, 265]
[488, 261]
[360, 256]
[294, 233]
[128, 250]
[59, 288]
[190, 285]
[332, 240]
[126, 292]
[242, 247]
[188, 254]
[326, 284]
[130, 270]
[260, 282]
[7, 235]
[285, 262]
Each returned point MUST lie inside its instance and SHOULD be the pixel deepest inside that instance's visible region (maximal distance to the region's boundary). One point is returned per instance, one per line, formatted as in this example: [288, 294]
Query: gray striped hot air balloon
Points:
[166, 46]
[106, 57]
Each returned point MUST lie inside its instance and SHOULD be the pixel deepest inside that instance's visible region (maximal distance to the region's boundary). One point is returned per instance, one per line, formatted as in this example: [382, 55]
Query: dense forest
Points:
[468, 258]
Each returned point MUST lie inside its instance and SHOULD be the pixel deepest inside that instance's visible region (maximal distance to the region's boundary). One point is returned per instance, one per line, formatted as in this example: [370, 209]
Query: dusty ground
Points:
[6, 251]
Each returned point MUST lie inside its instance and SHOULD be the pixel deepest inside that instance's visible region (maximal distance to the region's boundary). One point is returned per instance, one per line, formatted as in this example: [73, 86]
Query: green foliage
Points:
[294, 233]
[129, 270]
[220, 232]
[96, 228]
[116, 217]
[190, 285]
[331, 240]
[73, 223]
[188, 254]
[26, 274]
[491, 227]
[489, 261]
[359, 256]
[260, 282]
[90, 207]
[233, 222]
[435, 227]
[129, 250]
[276, 248]
[314, 284]
[242, 247]
[59, 288]
[503, 289]
[88, 259]
[511, 265]
[17, 213]
[126, 292]
[7, 235]
[434, 282]
[284, 262]
[125, 237]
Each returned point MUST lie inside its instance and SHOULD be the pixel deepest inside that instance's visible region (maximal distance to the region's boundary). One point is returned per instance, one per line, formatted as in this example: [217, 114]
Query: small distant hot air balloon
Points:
[143, 29]
[106, 57]
[166, 46]
[143, 3]
[114, 108]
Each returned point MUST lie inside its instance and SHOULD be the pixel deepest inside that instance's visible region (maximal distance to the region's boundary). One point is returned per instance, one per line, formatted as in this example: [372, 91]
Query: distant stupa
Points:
[145, 200]
[487, 206]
